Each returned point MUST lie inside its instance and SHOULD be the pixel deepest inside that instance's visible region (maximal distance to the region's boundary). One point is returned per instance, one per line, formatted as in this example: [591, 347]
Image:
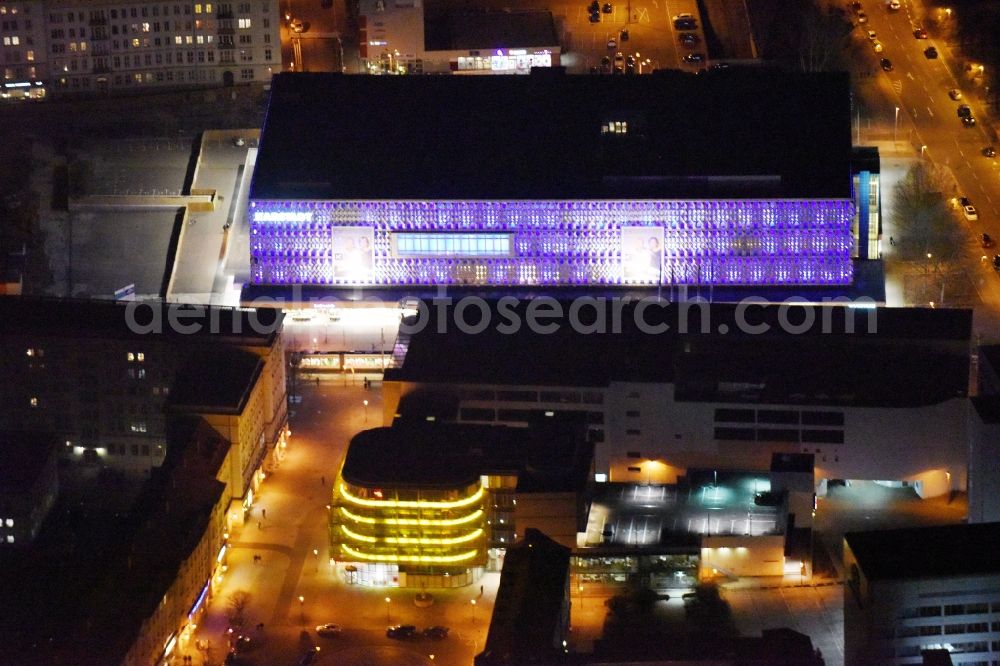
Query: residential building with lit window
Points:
[68, 46]
[623, 186]
[453, 499]
[29, 485]
[723, 385]
[81, 372]
[923, 588]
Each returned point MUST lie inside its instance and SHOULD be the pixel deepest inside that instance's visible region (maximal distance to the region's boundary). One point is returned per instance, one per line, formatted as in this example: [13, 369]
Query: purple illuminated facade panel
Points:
[722, 242]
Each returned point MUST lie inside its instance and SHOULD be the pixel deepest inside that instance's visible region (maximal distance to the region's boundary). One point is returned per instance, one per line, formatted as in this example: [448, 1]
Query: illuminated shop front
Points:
[408, 536]
[504, 61]
[648, 242]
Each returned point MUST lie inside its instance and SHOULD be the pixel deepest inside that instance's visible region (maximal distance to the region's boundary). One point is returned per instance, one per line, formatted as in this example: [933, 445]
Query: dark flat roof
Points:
[529, 603]
[793, 462]
[927, 552]
[987, 408]
[219, 378]
[914, 356]
[335, 136]
[432, 454]
[464, 31]
[82, 318]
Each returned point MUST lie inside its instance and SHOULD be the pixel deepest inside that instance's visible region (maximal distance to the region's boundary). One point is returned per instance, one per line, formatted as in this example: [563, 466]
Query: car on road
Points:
[594, 6]
[612, 44]
[623, 35]
[689, 39]
[694, 58]
[893, 5]
[930, 53]
[862, 18]
[969, 121]
[309, 657]
[595, 17]
[685, 22]
[872, 36]
[856, 6]
[630, 64]
[919, 33]
[996, 262]
[436, 632]
[955, 94]
[877, 45]
[606, 64]
[886, 64]
[986, 241]
[297, 25]
[989, 151]
[964, 111]
[970, 213]
[329, 629]
[401, 631]
[607, 8]
[619, 63]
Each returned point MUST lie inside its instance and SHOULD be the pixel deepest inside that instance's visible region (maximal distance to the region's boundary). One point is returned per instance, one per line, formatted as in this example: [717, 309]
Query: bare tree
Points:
[823, 39]
[236, 608]
[928, 231]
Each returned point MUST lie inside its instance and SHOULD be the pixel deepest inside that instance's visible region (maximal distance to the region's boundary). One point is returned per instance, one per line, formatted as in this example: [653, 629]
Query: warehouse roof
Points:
[927, 552]
[334, 136]
[896, 357]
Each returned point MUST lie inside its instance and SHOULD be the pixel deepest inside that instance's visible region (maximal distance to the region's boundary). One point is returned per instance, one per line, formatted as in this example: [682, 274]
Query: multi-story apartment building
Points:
[79, 371]
[57, 46]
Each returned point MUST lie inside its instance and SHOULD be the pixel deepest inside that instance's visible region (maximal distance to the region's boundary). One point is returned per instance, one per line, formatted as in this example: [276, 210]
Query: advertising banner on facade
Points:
[353, 253]
[642, 255]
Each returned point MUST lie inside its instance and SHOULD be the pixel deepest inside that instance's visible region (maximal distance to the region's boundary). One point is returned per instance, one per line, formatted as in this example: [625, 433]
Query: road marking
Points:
[930, 112]
[974, 174]
[910, 75]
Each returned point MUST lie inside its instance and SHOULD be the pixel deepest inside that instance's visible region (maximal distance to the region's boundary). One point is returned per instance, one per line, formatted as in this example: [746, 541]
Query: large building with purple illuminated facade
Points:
[726, 178]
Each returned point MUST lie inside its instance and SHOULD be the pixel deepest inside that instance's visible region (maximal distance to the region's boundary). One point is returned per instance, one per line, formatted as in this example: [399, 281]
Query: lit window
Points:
[135, 42]
[244, 23]
[31, 352]
[10, 538]
[177, 39]
[453, 244]
[130, 356]
[208, 8]
[140, 357]
[9, 522]
[15, 40]
[188, 39]
[31, 56]
[197, 9]
[34, 402]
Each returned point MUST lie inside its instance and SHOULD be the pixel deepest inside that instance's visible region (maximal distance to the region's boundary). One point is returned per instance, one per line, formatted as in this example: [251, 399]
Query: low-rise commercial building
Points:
[713, 385]
[915, 589]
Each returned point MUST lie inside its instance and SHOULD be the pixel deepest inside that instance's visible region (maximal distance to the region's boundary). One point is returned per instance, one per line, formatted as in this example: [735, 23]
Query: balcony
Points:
[98, 20]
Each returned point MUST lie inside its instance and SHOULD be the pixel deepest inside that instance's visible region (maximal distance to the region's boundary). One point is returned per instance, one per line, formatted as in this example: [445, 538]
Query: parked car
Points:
[694, 58]
[893, 5]
[856, 6]
[606, 64]
[401, 631]
[595, 17]
[612, 44]
[862, 18]
[920, 33]
[594, 6]
[437, 632]
[607, 8]
[989, 151]
[872, 36]
[986, 241]
[970, 213]
[886, 64]
[623, 35]
[328, 629]
[630, 64]
[690, 39]
[996, 262]
[964, 111]
[955, 94]
[930, 53]
[877, 45]
[969, 121]
[685, 22]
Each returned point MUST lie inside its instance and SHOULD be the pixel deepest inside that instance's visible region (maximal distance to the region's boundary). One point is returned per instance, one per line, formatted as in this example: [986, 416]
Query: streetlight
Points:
[387, 617]
[895, 127]
[366, 410]
[302, 609]
[316, 556]
[473, 602]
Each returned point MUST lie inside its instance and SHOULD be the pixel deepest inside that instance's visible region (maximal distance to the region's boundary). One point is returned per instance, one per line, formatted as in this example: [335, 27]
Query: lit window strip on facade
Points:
[388, 533]
[725, 242]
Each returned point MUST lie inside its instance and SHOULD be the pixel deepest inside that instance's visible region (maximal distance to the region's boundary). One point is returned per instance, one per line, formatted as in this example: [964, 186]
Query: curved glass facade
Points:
[420, 530]
[722, 242]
